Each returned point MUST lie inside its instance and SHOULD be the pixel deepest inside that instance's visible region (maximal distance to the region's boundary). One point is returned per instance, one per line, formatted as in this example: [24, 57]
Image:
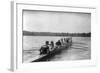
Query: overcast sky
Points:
[46, 21]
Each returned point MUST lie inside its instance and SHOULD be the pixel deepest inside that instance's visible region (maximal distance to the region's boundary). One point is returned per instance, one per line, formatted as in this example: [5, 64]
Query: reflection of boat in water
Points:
[55, 50]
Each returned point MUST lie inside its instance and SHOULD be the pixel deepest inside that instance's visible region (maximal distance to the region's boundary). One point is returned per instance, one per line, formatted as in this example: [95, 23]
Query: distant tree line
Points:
[27, 33]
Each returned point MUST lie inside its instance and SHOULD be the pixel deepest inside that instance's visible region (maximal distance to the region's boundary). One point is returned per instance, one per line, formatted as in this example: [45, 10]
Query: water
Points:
[80, 49]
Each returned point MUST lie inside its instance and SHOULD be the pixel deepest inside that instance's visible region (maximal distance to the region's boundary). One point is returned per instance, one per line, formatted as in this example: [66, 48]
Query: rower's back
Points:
[45, 48]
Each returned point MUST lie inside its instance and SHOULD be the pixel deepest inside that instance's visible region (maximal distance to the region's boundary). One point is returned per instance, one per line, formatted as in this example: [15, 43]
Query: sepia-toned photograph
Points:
[50, 36]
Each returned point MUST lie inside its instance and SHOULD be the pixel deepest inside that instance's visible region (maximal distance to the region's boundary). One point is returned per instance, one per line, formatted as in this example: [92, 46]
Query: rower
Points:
[58, 44]
[52, 45]
[45, 48]
[62, 42]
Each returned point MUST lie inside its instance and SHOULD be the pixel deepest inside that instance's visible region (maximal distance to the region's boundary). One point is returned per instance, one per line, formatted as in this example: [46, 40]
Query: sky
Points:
[50, 21]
